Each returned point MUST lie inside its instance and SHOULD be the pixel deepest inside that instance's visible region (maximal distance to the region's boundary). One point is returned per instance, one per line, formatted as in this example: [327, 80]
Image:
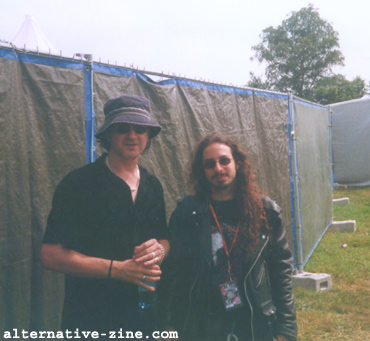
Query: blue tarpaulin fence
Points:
[49, 109]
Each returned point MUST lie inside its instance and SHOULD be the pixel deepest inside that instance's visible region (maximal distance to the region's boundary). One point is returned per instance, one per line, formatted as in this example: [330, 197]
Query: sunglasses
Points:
[211, 163]
[126, 128]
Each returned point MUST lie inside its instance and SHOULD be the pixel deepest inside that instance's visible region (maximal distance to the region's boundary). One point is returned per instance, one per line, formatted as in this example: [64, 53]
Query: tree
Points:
[257, 82]
[299, 53]
[338, 89]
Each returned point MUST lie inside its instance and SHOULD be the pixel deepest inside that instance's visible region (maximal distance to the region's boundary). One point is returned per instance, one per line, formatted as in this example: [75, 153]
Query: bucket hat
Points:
[130, 109]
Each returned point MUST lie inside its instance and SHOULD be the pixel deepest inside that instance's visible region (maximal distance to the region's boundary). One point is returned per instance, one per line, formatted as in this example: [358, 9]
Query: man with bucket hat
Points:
[107, 228]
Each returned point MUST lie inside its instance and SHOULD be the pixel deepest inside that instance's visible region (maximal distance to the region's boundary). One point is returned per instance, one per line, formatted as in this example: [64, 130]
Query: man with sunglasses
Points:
[107, 228]
[229, 271]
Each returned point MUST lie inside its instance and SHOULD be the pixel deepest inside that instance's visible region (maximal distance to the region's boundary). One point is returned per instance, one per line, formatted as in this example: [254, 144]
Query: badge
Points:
[231, 295]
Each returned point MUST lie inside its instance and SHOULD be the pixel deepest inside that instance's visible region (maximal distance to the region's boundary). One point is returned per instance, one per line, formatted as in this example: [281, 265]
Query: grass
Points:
[342, 313]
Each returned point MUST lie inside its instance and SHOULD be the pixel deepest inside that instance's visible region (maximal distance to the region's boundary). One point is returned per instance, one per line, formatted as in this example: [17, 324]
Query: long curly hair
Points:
[247, 193]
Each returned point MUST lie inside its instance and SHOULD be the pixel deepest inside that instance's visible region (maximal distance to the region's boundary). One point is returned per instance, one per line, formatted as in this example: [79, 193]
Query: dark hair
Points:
[105, 144]
[247, 193]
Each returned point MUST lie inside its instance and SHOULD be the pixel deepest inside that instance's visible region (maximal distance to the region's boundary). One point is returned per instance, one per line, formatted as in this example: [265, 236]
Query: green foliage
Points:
[299, 53]
[337, 89]
[343, 312]
[257, 82]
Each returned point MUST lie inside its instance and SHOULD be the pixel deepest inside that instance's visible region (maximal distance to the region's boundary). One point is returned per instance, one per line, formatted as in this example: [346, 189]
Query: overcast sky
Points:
[202, 39]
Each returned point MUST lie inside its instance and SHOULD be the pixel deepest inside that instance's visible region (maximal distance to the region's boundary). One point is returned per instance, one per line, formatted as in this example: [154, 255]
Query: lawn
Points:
[342, 313]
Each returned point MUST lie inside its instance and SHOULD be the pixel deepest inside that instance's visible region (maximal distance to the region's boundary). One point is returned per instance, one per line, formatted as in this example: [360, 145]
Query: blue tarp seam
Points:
[41, 59]
[113, 70]
[308, 104]
[221, 88]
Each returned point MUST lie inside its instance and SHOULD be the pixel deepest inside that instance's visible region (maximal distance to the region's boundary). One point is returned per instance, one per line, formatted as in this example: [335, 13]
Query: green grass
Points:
[342, 313]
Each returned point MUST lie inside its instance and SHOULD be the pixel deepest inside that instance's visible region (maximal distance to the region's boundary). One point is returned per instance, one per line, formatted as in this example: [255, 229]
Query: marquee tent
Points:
[351, 142]
[31, 38]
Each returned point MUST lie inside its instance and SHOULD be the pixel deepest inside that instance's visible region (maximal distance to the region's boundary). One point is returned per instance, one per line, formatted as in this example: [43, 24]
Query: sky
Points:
[208, 40]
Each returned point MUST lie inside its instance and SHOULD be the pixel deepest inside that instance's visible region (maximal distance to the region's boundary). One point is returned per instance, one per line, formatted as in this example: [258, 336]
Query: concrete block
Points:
[343, 226]
[317, 282]
[339, 187]
[341, 201]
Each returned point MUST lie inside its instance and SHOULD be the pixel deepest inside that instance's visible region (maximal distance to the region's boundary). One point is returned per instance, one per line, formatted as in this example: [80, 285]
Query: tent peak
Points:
[30, 37]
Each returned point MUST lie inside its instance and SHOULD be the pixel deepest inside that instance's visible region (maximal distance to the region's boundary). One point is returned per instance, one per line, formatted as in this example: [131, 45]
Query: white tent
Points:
[351, 142]
[31, 38]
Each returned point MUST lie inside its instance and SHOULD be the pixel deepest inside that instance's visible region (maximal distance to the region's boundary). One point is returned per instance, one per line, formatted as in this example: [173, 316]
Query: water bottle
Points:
[147, 299]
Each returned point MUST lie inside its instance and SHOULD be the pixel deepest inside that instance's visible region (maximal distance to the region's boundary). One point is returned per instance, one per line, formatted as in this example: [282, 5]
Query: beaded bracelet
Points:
[163, 254]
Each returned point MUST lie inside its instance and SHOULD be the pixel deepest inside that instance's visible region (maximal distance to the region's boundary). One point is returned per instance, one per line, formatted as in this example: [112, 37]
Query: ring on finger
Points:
[144, 277]
[153, 254]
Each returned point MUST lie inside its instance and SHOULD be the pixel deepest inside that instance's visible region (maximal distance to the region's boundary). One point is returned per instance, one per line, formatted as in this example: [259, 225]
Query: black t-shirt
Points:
[219, 322]
[93, 213]
[227, 216]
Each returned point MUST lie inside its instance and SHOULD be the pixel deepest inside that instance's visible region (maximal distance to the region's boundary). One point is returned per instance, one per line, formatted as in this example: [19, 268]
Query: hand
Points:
[281, 338]
[148, 253]
[173, 332]
[133, 272]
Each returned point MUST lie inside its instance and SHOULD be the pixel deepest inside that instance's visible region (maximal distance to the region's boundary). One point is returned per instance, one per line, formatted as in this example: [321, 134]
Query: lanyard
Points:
[227, 251]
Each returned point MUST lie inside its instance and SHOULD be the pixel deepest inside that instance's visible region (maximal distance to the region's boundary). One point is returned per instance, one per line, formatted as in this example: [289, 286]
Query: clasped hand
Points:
[143, 266]
[148, 253]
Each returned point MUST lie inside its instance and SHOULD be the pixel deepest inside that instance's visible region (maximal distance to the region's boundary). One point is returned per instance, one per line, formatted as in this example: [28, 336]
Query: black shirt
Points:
[93, 213]
[219, 323]
[227, 216]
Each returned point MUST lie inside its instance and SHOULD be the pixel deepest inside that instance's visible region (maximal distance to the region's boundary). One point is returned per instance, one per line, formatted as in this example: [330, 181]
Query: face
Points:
[222, 176]
[127, 141]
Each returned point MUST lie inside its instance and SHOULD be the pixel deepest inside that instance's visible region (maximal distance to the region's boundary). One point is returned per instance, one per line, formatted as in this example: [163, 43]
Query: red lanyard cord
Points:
[227, 251]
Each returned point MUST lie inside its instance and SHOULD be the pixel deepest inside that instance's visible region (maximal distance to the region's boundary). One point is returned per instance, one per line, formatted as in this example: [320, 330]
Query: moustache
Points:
[219, 174]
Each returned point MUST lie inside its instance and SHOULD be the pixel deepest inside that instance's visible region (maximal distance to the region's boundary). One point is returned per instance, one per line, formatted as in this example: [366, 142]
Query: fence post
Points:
[89, 107]
[297, 221]
[330, 127]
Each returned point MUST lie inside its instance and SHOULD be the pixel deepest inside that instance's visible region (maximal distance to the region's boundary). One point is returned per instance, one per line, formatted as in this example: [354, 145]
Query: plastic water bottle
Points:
[147, 299]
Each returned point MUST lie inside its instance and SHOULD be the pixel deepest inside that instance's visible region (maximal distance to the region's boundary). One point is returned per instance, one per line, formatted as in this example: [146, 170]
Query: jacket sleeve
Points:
[280, 260]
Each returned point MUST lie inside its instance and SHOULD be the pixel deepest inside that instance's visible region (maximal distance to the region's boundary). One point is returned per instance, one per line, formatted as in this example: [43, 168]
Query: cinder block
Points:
[339, 187]
[317, 282]
[343, 226]
[341, 201]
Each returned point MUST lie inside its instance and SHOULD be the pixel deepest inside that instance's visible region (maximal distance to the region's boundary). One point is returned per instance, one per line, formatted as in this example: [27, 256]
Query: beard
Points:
[221, 185]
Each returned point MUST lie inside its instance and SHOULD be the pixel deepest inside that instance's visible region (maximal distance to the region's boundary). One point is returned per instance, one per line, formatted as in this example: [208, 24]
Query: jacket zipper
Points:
[190, 294]
[190, 300]
[245, 284]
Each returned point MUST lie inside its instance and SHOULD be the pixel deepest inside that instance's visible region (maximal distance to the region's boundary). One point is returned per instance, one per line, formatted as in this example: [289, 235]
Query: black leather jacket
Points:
[267, 281]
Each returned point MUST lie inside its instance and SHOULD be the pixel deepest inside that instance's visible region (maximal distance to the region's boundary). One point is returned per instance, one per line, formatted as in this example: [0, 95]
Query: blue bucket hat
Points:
[130, 109]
